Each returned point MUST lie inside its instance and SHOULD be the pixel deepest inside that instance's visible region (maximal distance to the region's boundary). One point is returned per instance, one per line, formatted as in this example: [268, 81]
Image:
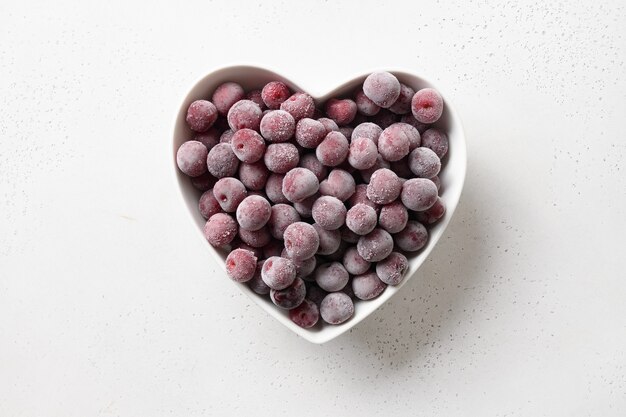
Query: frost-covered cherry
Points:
[424, 163]
[247, 145]
[412, 238]
[363, 153]
[364, 105]
[339, 184]
[367, 286]
[305, 207]
[274, 188]
[278, 273]
[304, 268]
[210, 138]
[222, 161]
[329, 212]
[253, 212]
[274, 94]
[258, 252]
[191, 158]
[229, 193]
[337, 255]
[331, 276]
[432, 214]
[277, 126]
[227, 136]
[329, 124]
[375, 246]
[409, 119]
[336, 308]
[240, 265]
[329, 240]
[281, 157]
[282, 215]
[427, 105]
[391, 270]
[309, 161]
[203, 182]
[346, 131]
[208, 205]
[244, 114]
[367, 130]
[257, 284]
[310, 133]
[298, 184]
[354, 263]
[384, 118]
[299, 105]
[226, 95]
[393, 217]
[436, 140]
[384, 186]
[382, 88]
[360, 197]
[366, 174]
[301, 240]
[342, 111]
[253, 176]
[220, 229]
[333, 150]
[201, 115]
[361, 219]
[393, 143]
[437, 182]
[305, 315]
[255, 95]
[255, 238]
[418, 194]
[289, 297]
[403, 103]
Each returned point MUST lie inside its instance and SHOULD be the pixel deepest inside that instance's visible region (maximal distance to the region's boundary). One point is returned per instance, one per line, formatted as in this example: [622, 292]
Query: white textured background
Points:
[110, 305]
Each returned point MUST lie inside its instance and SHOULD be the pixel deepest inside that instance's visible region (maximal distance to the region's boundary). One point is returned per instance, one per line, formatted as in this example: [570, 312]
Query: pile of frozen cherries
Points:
[317, 207]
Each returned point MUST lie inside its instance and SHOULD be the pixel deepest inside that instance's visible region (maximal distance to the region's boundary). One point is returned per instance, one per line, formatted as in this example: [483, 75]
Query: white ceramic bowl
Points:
[250, 77]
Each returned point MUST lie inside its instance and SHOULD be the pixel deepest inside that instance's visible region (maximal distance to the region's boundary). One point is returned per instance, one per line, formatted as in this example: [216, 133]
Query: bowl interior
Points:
[452, 178]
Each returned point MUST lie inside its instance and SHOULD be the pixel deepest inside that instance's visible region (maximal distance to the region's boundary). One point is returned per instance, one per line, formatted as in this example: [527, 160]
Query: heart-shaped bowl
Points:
[250, 77]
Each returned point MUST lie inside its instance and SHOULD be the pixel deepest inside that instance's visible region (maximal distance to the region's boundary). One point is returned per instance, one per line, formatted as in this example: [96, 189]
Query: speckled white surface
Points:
[109, 305]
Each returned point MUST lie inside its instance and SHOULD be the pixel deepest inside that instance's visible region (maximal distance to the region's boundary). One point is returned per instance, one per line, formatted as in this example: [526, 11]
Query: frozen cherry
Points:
[226, 95]
[222, 161]
[367, 130]
[329, 212]
[412, 238]
[331, 277]
[274, 189]
[424, 163]
[310, 132]
[418, 194]
[305, 207]
[391, 270]
[257, 284]
[201, 115]
[277, 126]
[329, 125]
[304, 268]
[191, 158]
[363, 153]
[255, 238]
[256, 96]
[427, 105]
[384, 118]
[305, 315]
[301, 240]
[299, 105]
[281, 157]
[253, 212]
[382, 88]
[375, 246]
[208, 205]
[346, 131]
[384, 186]
[354, 263]
[409, 119]
[227, 136]
[437, 182]
[244, 114]
[203, 182]
[367, 286]
[364, 105]
[337, 255]
[436, 140]
[258, 252]
[361, 219]
[282, 215]
[253, 176]
[309, 161]
[289, 297]
[248, 145]
[432, 214]
[220, 229]
[403, 103]
[393, 217]
[393, 143]
[210, 138]
[298, 184]
[366, 174]
[336, 308]
[360, 197]
[229, 192]
[274, 93]
[333, 150]
[240, 265]
[278, 273]
[339, 184]
[329, 240]
[342, 111]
